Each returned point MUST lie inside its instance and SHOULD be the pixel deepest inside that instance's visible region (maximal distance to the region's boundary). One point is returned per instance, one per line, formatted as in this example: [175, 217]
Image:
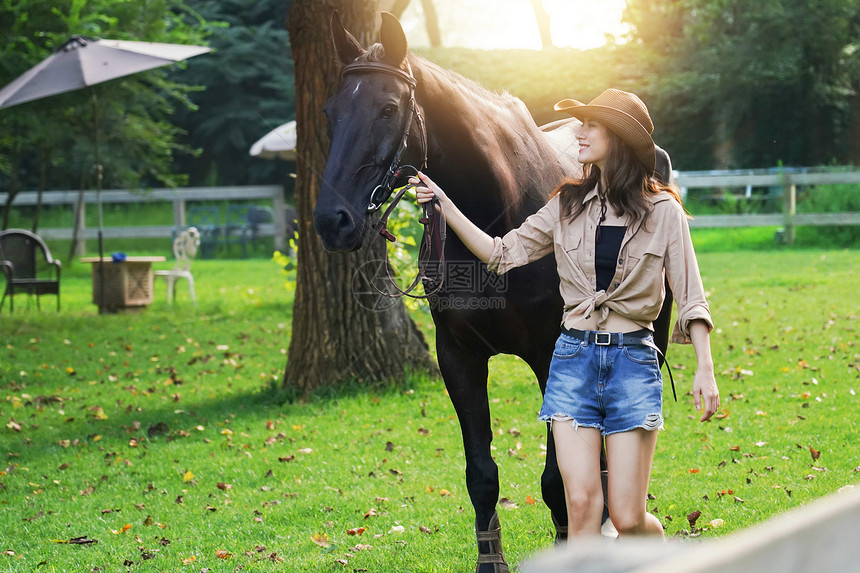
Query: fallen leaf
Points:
[222, 554]
[187, 476]
[692, 517]
[122, 529]
[189, 560]
[530, 500]
[507, 503]
[320, 539]
[370, 513]
[815, 453]
[356, 531]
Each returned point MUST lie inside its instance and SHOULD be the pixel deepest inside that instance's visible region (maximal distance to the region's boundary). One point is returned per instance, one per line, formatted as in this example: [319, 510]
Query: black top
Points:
[606, 250]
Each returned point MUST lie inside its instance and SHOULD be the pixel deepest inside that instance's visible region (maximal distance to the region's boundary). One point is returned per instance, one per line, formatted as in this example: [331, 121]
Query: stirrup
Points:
[493, 536]
[560, 531]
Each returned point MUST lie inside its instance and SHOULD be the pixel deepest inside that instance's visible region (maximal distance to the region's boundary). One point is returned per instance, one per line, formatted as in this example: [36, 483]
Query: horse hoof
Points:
[560, 532]
[492, 561]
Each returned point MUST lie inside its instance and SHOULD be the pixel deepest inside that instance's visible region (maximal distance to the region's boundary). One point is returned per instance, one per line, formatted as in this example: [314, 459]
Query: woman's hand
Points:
[476, 240]
[706, 395]
[426, 189]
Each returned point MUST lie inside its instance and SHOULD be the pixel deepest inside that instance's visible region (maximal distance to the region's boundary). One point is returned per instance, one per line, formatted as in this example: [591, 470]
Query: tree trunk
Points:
[543, 23]
[396, 7]
[334, 338]
[431, 19]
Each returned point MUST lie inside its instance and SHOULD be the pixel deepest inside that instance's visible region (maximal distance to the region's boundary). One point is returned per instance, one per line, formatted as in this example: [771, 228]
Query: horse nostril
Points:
[343, 220]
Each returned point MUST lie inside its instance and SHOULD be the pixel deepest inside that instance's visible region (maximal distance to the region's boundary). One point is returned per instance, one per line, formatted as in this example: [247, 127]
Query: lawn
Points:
[159, 440]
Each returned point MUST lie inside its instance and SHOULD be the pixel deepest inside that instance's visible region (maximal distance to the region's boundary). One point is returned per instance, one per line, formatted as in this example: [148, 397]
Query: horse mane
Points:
[501, 100]
[513, 128]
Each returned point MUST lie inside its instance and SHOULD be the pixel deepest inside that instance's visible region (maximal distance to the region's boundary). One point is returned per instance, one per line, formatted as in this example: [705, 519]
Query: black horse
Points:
[392, 108]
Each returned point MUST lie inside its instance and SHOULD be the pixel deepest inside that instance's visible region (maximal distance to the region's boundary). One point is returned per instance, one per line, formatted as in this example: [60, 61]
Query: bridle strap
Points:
[435, 226]
[380, 67]
[382, 192]
[435, 232]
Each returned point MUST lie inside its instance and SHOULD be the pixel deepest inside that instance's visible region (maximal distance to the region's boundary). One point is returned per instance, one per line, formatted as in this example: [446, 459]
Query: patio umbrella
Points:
[279, 143]
[81, 62]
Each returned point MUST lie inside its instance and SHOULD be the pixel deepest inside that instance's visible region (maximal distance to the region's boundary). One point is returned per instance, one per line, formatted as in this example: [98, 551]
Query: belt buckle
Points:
[602, 338]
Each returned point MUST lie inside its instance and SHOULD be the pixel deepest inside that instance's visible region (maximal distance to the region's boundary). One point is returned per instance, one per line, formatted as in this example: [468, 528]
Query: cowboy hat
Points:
[624, 114]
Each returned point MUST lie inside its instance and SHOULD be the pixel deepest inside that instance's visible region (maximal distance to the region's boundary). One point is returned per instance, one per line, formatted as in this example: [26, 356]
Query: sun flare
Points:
[501, 24]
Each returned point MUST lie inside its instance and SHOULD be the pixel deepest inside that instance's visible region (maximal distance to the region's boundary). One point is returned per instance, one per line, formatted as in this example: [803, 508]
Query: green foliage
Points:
[249, 91]
[746, 84]
[830, 199]
[166, 420]
[50, 141]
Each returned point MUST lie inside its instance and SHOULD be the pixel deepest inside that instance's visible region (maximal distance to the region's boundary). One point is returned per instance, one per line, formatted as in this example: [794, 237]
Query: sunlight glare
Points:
[501, 24]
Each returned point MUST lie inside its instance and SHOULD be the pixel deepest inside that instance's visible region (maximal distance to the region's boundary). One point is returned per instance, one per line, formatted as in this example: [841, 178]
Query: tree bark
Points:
[335, 339]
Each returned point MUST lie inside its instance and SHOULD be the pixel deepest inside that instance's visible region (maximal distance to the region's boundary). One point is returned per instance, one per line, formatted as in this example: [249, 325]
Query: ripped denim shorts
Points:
[614, 388]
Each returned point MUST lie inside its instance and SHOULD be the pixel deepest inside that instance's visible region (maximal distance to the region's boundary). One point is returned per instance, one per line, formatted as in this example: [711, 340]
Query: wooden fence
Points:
[273, 194]
[787, 181]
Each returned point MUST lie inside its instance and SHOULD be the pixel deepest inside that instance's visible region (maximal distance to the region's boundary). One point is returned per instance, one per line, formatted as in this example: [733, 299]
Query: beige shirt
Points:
[634, 298]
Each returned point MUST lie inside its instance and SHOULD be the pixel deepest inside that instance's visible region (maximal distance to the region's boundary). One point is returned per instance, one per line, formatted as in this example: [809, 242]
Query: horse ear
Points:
[393, 39]
[346, 46]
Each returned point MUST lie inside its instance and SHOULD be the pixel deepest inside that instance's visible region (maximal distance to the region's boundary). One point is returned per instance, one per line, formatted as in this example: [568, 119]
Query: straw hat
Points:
[624, 114]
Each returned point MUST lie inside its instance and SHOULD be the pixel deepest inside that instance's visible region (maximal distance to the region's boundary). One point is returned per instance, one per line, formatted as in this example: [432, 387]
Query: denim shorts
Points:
[612, 388]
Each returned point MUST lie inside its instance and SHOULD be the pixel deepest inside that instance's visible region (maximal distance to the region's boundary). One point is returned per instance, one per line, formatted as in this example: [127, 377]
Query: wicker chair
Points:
[27, 264]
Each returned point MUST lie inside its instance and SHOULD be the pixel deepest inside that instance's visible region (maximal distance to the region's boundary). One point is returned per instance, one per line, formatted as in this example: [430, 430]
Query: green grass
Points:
[239, 471]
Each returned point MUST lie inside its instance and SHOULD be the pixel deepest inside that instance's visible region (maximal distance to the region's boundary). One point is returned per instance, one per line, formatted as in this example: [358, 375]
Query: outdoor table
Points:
[127, 283]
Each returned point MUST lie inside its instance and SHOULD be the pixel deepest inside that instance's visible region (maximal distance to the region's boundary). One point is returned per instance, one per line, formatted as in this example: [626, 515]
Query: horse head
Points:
[374, 126]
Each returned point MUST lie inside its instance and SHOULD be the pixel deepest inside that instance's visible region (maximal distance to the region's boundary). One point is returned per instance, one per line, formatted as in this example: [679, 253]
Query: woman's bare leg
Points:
[629, 456]
[578, 453]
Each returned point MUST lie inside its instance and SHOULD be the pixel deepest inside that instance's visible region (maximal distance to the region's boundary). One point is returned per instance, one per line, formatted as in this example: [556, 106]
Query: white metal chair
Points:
[184, 249]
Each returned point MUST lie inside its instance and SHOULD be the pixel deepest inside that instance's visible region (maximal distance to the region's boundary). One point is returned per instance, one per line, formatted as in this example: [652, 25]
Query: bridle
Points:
[383, 191]
[433, 219]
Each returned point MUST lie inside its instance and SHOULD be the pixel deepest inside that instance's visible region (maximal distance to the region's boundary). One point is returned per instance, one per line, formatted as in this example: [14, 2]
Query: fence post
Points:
[80, 247]
[179, 214]
[789, 208]
[279, 208]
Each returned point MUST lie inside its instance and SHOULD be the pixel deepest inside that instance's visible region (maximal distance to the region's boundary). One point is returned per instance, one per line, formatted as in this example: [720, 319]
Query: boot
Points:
[493, 536]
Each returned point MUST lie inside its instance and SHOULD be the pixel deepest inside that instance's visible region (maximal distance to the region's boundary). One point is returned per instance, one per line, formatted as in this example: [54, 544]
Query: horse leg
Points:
[465, 378]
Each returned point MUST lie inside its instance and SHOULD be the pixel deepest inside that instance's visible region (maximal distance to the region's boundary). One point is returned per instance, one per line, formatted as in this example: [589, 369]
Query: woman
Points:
[615, 234]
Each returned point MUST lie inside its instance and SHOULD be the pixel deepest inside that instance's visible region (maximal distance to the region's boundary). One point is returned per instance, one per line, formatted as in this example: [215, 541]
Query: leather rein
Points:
[435, 227]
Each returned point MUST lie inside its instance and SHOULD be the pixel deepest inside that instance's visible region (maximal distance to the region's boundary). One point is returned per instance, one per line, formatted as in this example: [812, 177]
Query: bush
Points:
[830, 199]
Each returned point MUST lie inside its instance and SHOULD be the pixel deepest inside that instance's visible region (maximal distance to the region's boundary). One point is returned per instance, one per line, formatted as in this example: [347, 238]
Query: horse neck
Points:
[484, 149]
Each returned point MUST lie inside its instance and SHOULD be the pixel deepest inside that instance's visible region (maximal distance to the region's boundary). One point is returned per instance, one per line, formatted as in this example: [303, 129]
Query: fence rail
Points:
[787, 180]
[178, 197]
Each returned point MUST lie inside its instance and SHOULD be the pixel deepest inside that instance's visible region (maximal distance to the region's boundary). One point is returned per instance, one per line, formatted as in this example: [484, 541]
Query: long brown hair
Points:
[628, 184]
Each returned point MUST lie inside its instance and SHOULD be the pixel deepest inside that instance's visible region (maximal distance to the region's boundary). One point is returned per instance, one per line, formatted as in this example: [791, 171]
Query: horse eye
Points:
[388, 111]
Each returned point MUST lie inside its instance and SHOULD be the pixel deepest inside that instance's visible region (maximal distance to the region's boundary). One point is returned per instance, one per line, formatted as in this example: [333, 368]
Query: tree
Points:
[249, 91]
[431, 17]
[49, 143]
[747, 84]
[334, 338]
[543, 23]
